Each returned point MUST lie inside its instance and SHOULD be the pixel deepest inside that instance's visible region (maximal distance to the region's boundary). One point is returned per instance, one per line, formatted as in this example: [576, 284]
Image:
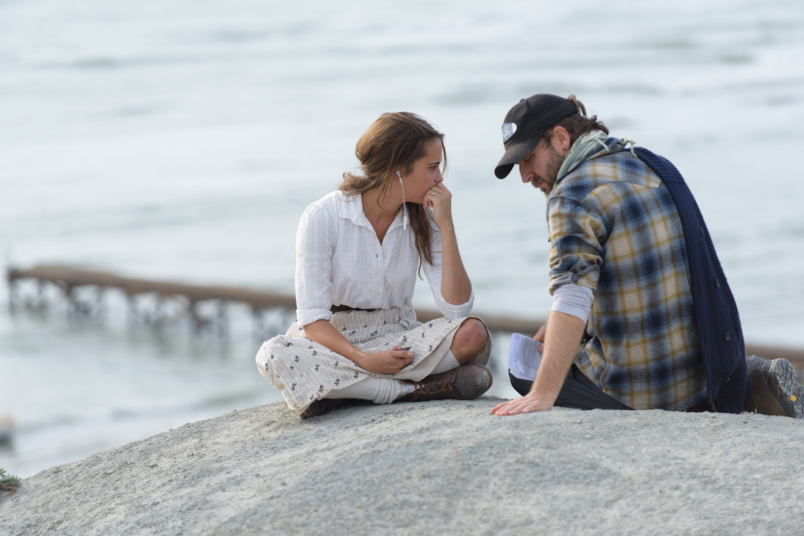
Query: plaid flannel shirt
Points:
[614, 229]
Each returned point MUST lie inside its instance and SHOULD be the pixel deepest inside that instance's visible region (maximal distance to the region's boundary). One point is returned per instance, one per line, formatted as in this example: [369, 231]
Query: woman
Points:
[358, 251]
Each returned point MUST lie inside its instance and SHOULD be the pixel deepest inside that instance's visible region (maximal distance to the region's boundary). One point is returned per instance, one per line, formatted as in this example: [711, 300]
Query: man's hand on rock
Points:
[526, 404]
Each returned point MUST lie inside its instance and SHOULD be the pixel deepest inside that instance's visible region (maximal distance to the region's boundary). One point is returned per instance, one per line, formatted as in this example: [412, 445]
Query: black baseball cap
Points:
[524, 125]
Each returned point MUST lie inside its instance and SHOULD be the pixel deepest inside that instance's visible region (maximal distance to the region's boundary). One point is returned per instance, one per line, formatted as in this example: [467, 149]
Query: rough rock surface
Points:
[432, 468]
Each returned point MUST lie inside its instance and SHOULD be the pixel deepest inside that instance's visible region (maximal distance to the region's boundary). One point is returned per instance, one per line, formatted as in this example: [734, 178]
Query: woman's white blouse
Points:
[340, 261]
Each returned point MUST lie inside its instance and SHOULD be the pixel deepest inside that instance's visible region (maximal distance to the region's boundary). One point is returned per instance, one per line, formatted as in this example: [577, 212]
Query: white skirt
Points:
[306, 371]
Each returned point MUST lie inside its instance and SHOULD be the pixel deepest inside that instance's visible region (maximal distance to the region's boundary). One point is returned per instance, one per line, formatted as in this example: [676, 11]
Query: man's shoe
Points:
[765, 402]
[780, 377]
[464, 383]
[319, 407]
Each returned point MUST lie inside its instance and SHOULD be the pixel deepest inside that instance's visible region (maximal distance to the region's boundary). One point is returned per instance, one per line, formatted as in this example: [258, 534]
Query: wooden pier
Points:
[84, 291]
[68, 280]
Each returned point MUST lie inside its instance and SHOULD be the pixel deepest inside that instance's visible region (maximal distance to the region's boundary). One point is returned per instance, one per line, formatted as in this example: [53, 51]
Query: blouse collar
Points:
[353, 210]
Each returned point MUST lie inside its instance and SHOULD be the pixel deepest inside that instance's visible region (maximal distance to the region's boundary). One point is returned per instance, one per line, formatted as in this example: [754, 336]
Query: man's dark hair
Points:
[577, 124]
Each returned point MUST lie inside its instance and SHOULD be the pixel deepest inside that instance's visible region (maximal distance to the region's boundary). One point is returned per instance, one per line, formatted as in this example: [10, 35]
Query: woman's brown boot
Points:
[319, 407]
[464, 383]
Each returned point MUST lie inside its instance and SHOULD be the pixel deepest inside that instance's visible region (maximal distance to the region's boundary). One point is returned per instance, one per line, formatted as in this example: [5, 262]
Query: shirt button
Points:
[727, 336]
[385, 256]
[376, 293]
[717, 283]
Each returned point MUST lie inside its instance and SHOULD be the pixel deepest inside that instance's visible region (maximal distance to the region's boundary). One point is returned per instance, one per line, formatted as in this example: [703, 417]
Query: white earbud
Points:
[404, 208]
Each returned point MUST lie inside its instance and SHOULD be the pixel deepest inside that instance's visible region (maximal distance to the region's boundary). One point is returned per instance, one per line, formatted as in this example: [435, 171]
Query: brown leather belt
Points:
[342, 308]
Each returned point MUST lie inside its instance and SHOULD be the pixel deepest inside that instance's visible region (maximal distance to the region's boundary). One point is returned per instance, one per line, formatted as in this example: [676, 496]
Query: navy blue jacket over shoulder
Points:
[716, 316]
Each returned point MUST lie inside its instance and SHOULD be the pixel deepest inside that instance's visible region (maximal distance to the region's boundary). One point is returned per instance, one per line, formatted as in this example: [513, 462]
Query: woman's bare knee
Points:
[469, 340]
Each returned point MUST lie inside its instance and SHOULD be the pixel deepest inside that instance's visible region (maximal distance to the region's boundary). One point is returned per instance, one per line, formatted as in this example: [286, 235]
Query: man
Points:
[635, 280]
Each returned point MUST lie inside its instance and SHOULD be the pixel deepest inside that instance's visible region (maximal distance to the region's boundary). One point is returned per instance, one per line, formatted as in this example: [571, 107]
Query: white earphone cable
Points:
[391, 283]
[404, 207]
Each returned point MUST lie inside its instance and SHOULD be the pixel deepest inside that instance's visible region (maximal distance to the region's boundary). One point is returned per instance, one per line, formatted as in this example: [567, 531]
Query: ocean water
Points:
[182, 140]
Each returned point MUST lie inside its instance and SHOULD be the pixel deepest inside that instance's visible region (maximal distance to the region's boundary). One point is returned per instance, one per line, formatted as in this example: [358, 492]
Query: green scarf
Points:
[584, 146]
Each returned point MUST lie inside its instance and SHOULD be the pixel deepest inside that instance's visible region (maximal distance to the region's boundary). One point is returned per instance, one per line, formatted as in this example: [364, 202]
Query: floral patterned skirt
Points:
[306, 371]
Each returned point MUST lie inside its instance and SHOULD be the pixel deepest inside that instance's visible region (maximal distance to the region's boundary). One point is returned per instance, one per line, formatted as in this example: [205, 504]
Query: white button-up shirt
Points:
[340, 261]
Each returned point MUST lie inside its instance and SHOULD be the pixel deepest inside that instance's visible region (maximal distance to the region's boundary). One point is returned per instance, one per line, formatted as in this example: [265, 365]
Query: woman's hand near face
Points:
[387, 361]
[456, 288]
[440, 199]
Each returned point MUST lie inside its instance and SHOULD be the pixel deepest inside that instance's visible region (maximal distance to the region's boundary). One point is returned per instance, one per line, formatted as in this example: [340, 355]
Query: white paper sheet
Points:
[523, 357]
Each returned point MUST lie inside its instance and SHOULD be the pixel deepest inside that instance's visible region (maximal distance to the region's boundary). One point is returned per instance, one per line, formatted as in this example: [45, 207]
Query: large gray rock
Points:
[432, 468]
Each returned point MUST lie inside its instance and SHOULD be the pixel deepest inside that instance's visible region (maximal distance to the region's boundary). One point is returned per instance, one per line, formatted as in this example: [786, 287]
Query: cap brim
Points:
[514, 154]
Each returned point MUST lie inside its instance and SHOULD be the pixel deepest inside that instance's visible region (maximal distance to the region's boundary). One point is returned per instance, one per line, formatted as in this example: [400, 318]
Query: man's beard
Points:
[553, 165]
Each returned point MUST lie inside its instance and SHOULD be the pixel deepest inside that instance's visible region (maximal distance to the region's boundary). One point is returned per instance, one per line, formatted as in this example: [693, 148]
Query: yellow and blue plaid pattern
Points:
[614, 229]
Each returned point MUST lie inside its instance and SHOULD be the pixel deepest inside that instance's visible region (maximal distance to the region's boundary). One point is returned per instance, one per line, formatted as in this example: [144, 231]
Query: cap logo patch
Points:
[508, 130]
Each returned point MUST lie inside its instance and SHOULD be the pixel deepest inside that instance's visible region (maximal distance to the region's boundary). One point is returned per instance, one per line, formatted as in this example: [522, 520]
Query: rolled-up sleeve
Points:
[433, 274]
[315, 245]
[577, 236]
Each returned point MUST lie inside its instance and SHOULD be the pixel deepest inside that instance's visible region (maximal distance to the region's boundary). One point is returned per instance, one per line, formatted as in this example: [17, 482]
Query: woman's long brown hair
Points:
[394, 142]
